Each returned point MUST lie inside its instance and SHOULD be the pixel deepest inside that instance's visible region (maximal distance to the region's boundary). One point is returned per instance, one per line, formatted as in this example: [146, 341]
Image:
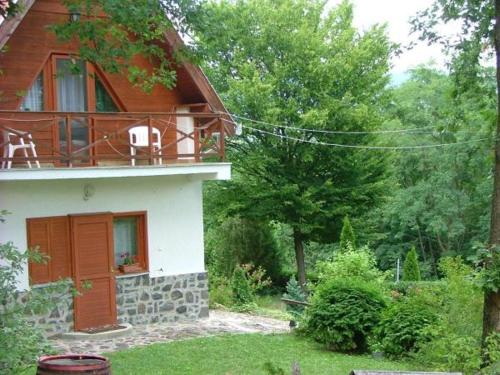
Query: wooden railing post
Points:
[196, 139]
[69, 143]
[150, 140]
[222, 149]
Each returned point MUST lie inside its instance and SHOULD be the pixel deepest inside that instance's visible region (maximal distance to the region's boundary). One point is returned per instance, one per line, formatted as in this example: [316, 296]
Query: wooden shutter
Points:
[51, 236]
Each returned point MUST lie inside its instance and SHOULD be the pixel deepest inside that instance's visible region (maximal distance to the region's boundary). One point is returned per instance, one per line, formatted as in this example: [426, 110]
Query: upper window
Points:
[74, 86]
[103, 101]
[71, 78]
[33, 101]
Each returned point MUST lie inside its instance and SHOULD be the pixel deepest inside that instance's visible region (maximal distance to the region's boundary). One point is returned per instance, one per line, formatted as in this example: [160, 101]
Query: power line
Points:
[412, 130]
[364, 147]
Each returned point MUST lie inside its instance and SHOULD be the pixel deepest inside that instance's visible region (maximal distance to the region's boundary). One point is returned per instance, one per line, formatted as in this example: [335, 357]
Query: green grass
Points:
[271, 307]
[241, 354]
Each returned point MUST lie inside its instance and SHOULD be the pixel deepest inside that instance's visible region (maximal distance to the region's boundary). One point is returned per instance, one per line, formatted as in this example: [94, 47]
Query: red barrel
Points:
[68, 364]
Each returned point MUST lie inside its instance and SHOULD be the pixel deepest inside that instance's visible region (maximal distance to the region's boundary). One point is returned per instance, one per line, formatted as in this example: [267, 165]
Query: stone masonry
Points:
[60, 318]
[140, 300]
[144, 300]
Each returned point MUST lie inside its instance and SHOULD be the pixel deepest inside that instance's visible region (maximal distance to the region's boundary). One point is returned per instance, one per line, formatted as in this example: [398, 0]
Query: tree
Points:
[480, 20]
[317, 72]
[347, 236]
[411, 269]
[441, 197]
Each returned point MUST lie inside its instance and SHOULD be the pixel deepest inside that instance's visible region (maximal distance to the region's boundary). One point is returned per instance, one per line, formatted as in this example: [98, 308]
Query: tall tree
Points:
[480, 21]
[291, 64]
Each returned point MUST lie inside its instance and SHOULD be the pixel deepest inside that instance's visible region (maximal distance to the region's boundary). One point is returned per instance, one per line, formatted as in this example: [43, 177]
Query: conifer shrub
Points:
[243, 295]
[402, 326]
[347, 236]
[295, 292]
[343, 313]
[411, 269]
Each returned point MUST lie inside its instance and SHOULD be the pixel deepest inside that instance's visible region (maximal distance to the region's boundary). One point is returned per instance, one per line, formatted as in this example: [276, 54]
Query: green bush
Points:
[402, 326]
[360, 263]
[343, 313]
[220, 291]
[455, 338]
[411, 269]
[241, 241]
[243, 295]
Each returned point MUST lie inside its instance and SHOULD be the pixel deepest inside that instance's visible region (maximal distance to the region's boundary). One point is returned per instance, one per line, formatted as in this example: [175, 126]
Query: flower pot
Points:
[130, 268]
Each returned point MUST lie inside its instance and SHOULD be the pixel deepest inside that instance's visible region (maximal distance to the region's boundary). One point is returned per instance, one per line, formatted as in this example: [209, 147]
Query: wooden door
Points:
[93, 265]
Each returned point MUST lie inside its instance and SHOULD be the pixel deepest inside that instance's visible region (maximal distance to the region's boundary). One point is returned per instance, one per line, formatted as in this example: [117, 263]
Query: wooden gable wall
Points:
[31, 45]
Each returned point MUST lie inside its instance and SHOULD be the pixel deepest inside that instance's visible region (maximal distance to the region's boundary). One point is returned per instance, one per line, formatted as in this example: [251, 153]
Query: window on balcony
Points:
[33, 101]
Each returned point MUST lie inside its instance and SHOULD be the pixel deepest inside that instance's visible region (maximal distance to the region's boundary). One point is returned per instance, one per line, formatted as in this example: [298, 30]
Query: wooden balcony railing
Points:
[103, 139]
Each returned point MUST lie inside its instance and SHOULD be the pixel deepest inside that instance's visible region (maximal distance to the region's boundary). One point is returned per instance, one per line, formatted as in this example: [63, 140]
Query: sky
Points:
[396, 13]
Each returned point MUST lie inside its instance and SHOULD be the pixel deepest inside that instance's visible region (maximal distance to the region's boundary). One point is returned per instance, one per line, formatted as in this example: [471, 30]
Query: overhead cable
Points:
[365, 147]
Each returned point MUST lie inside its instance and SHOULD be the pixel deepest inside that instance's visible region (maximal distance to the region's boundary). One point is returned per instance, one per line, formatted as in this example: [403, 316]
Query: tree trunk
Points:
[491, 314]
[299, 257]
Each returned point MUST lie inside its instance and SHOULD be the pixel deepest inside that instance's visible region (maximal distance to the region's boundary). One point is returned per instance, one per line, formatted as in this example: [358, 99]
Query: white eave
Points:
[205, 171]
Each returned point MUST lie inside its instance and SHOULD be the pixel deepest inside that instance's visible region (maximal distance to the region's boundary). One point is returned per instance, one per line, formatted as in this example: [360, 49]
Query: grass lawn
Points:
[241, 355]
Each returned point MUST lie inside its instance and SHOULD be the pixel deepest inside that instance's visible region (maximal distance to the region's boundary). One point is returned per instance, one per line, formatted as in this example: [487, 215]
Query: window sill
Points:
[132, 274]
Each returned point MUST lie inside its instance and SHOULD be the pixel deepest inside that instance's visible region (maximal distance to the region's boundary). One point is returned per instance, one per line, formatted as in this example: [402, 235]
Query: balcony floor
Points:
[209, 171]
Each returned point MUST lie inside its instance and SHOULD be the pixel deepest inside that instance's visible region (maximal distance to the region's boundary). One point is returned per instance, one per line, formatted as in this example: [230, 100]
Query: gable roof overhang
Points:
[174, 41]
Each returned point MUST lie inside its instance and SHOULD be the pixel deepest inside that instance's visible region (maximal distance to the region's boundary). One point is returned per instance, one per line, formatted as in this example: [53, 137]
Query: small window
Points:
[33, 101]
[103, 101]
[129, 240]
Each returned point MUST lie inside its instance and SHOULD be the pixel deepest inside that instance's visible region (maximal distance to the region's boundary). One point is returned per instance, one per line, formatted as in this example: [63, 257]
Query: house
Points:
[96, 173]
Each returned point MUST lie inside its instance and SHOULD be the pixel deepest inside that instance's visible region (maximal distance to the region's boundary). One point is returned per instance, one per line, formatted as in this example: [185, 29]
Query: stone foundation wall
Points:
[57, 320]
[142, 300]
[139, 299]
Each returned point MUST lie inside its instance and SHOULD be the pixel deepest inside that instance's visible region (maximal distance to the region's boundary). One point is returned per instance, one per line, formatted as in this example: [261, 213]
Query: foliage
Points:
[21, 343]
[270, 77]
[347, 236]
[242, 354]
[130, 28]
[440, 200]
[402, 325]
[295, 293]
[455, 339]
[343, 313]
[241, 241]
[243, 295]
[487, 261]
[256, 277]
[8, 8]
[492, 352]
[411, 269]
[360, 264]
[220, 291]
[471, 45]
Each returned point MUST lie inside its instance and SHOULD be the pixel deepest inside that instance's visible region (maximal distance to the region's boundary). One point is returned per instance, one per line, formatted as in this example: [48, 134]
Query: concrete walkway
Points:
[219, 322]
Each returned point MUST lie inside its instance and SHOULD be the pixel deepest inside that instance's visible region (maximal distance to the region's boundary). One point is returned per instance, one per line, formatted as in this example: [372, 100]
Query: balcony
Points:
[67, 140]
[83, 145]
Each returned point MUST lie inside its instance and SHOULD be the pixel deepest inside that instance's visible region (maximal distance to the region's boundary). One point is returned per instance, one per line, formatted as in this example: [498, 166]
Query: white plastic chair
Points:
[11, 135]
[139, 138]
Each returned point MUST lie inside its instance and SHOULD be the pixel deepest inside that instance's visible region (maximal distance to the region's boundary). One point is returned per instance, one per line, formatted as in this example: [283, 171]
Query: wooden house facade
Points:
[105, 179]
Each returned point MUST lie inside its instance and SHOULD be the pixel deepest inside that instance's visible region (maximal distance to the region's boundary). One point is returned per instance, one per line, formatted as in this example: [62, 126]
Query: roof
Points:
[9, 26]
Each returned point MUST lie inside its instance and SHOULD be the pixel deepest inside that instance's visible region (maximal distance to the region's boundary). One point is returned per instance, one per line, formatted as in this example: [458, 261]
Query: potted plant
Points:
[129, 263]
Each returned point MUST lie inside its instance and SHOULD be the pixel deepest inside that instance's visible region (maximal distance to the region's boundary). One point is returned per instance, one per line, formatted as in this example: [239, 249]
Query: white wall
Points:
[173, 205]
